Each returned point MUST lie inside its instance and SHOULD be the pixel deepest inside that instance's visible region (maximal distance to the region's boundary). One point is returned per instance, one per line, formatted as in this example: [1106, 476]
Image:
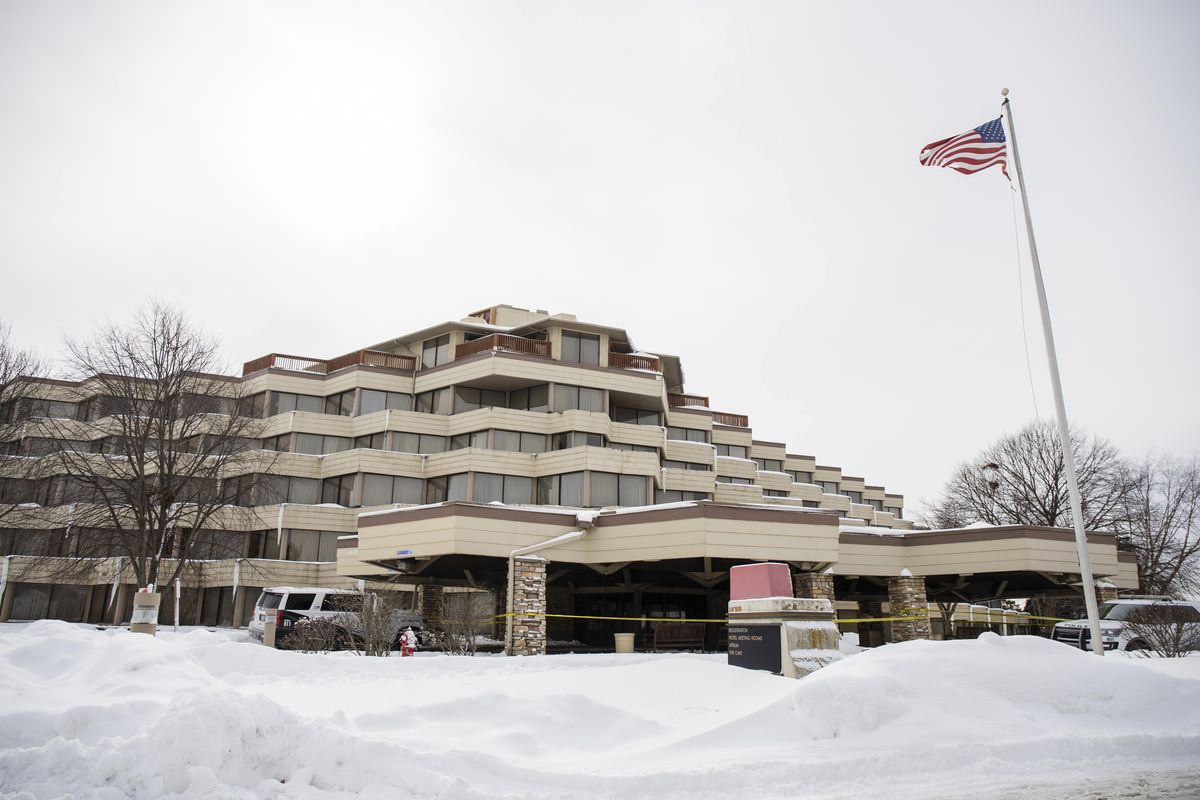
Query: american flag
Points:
[970, 152]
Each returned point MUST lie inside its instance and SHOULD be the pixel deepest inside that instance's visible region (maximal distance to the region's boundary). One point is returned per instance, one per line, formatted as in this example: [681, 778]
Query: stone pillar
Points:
[908, 599]
[813, 584]
[429, 604]
[527, 623]
[1105, 592]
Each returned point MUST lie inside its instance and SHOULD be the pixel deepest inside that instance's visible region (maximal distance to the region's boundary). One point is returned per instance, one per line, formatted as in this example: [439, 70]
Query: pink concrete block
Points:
[752, 581]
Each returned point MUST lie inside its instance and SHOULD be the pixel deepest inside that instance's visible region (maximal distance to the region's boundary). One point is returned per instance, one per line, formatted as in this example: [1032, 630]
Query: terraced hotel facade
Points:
[430, 459]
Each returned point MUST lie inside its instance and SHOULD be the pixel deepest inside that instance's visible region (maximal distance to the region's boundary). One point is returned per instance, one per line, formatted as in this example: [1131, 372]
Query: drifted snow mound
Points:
[112, 715]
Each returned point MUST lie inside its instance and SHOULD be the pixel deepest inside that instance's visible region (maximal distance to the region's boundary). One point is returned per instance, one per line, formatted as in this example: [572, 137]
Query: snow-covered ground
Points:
[109, 714]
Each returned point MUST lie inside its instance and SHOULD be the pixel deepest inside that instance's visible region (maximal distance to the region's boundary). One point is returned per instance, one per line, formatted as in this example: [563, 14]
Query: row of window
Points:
[426, 443]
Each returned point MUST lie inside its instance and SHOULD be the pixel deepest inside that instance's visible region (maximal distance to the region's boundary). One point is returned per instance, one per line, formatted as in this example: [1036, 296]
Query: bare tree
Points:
[1021, 480]
[160, 485]
[1166, 629]
[1162, 525]
[463, 616]
[19, 371]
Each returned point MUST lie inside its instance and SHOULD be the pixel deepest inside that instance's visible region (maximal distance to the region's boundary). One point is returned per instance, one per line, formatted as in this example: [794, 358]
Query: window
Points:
[561, 490]
[283, 402]
[732, 450]
[810, 504]
[635, 416]
[533, 443]
[310, 546]
[674, 496]
[280, 444]
[379, 490]
[201, 404]
[491, 488]
[315, 444]
[263, 544]
[569, 439]
[895, 510]
[299, 602]
[435, 402]
[376, 400]
[774, 493]
[769, 464]
[506, 440]
[567, 398]
[687, 435]
[337, 490]
[875, 504]
[468, 398]
[435, 352]
[692, 465]
[828, 487]
[342, 404]
[610, 489]
[446, 487]
[372, 441]
[855, 497]
[463, 440]
[580, 348]
[424, 443]
[800, 476]
[275, 489]
[731, 479]
[535, 398]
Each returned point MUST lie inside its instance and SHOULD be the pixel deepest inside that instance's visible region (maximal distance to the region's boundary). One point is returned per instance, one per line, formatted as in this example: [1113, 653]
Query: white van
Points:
[289, 604]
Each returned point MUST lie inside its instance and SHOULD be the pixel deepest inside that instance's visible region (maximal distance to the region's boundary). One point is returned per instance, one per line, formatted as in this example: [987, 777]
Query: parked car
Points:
[291, 605]
[1116, 634]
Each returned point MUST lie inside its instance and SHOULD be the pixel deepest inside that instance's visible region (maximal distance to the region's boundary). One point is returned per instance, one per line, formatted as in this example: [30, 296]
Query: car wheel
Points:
[1134, 647]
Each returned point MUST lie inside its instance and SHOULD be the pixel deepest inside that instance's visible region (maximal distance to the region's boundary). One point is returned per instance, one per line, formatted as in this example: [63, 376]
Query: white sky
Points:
[736, 183]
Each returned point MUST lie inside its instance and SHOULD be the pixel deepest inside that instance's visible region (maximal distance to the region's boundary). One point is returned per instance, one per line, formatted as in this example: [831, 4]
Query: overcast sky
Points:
[736, 183]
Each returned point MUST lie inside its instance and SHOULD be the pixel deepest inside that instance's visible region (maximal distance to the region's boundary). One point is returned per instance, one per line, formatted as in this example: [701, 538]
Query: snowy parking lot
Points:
[201, 714]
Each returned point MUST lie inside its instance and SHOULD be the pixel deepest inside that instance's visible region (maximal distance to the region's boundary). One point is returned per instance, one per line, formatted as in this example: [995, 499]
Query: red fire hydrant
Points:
[408, 642]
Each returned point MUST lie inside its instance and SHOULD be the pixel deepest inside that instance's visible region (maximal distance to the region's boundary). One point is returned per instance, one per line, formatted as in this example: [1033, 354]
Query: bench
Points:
[680, 635]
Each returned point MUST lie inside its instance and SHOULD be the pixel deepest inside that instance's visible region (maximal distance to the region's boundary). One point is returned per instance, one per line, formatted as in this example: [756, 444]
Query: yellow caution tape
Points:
[722, 621]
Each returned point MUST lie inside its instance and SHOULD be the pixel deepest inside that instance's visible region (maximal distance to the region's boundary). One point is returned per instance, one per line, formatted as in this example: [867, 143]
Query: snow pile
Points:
[109, 714]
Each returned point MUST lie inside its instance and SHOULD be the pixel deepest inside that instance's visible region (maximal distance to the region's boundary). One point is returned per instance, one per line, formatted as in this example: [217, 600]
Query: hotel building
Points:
[541, 457]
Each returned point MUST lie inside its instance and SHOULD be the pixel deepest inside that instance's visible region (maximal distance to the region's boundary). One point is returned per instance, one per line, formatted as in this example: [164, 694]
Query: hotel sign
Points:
[755, 647]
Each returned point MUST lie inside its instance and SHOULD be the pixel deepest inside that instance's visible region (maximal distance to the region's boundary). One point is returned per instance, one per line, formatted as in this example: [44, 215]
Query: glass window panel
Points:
[302, 546]
[309, 443]
[305, 402]
[374, 441]
[334, 444]
[456, 487]
[460, 441]
[547, 490]
[466, 398]
[406, 490]
[435, 489]
[591, 399]
[570, 489]
[632, 490]
[539, 397]
[377, 490]
[304, 490]
[589, 350]
[570, 347]
[518, 489]
[435, 351]
[566, 397]
[430, 443]
[403, 442]
[506, 440]
[488, 487]
[605, 491]
[372, 400]
[533, 443]
[328, 551]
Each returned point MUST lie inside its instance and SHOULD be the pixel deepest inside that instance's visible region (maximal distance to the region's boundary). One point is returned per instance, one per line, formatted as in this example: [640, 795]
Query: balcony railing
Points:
[675, 400]
[503, 341]
[627, 361]
[735, 420]
[281, 361]
[370, 358]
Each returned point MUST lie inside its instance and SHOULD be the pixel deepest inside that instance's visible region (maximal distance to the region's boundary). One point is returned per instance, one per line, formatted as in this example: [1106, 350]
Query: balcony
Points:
[733, 420]
[677, 400]
[366, 358]
[504, 342]
[628, 361]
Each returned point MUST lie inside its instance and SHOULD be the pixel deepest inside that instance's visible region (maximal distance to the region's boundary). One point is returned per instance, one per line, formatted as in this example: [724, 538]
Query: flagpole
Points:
[1064, 431]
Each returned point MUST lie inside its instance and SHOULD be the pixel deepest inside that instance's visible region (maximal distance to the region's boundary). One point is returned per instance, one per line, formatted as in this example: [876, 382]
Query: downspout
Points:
[4, 580]
[524, 551]
[279, 530]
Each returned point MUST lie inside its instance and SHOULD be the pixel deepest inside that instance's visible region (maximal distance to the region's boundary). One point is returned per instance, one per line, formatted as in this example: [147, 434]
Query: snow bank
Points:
[111, 715]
